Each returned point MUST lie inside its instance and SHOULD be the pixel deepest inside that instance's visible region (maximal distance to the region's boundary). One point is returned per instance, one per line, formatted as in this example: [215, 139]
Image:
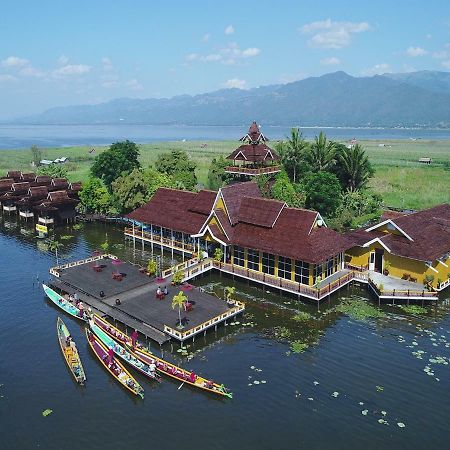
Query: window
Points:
[302, 272]
[284, 267]
[253, 259]
[268, 263]
[238, 256]
[317, 272]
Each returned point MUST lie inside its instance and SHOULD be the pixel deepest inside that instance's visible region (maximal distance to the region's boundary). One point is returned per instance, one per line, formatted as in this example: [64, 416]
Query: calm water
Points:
[295, 408]
[24, 136]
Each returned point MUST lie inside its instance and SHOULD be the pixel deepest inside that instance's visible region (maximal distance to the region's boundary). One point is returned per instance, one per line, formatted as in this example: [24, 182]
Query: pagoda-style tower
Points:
[253, 157]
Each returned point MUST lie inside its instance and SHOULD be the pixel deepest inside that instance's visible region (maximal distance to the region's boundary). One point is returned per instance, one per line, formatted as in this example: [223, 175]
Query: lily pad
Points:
[47, 412]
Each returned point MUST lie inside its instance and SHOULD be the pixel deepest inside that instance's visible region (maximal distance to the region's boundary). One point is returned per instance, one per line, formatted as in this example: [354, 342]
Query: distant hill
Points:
[336, 99]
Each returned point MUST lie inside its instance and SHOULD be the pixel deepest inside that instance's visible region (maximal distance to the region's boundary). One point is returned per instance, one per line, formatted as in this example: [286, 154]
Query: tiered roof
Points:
[423, 235]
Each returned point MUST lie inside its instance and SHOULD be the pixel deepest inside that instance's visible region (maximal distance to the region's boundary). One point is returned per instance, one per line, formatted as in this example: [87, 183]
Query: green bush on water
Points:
[298, 347]
[413, 309]
[358, 309]
[301, 316]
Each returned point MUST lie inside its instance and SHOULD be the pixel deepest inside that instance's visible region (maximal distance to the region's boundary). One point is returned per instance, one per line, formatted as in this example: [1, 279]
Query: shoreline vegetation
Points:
[400, 179]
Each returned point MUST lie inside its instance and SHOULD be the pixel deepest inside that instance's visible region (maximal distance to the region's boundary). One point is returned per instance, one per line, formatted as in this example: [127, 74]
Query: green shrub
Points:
[178, 277]
[151, 267]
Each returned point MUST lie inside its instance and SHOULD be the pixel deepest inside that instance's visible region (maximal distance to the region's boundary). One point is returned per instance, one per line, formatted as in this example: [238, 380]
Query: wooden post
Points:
[151, 236]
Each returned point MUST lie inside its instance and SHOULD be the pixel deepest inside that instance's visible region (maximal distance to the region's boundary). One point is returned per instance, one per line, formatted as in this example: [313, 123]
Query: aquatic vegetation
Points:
[413, 309]
[298, 347]
[281, 333]
[47, 412]
[78, 226]
[66, 237]
[359, 309]
[302, 316]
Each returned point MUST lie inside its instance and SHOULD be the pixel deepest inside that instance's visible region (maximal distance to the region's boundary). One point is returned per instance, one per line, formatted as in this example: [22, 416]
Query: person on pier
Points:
[134, 336]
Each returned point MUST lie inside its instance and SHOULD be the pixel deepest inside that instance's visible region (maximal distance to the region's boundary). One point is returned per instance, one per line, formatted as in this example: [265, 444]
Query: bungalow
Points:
[413, 247]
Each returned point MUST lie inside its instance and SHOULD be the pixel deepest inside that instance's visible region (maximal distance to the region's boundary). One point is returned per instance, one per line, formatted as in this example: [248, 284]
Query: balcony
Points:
[240, 170]
[26, 214]
[46, 220]
[158, 239]
[9, 208]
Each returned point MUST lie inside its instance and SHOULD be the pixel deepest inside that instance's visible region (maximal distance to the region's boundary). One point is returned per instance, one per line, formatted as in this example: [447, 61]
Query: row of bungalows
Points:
[45, 199]
[413, 247]
[261, 239]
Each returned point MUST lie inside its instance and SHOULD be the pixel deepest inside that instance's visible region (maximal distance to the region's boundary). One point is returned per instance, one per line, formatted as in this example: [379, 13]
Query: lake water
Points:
[24, 136]
[333, 395]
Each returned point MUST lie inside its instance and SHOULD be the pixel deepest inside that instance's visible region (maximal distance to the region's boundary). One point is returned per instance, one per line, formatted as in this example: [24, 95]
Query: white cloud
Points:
[15, 61]
[31, 71]
[377, 69]
[72, 69]
[235, 83]
[330, 34]
[331, 61]
[206, 37]
[107, 64]
[252, 51]
[228, 55]
[229, 30]
[5, 77]
[108, 84]
[415, 51]
[291, 77]
[134, 84]
[63, 60]
[446, 64]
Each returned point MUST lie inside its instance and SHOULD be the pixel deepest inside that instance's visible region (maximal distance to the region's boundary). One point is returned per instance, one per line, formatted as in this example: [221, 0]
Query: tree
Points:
[353, 167]
[53, 246]
[121, 157]
[321, 154]
[285, 191]
[322, 192]
[179, 300]
[293, 154]
[179, 167]
[95, 197]
[217, 177]
[53, 170]
[133, 190]
[36, 155]
[229, 293]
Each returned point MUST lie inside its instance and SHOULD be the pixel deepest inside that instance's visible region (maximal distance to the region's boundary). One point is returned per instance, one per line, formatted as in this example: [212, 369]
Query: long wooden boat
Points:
[64, 304]
[163, 367]
[123, 353]
[116, 369]
[70, 352]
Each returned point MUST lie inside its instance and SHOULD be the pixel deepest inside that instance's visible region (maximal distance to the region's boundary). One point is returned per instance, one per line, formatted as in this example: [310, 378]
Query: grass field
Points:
[401, 180]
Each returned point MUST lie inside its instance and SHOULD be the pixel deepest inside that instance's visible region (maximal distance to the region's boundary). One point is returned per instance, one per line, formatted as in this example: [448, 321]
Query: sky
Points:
[57, 53]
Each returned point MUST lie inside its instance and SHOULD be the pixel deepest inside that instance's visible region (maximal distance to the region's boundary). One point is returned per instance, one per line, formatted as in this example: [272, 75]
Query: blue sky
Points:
[55, 53]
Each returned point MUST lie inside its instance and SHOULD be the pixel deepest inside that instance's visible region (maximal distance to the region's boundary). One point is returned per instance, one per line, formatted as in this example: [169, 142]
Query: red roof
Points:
[169, 208]
[234, 193]
[254, 135]
[203, 202]
[254, 153]
[259, 211]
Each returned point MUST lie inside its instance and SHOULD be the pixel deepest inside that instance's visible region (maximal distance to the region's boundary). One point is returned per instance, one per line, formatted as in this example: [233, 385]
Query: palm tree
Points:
[296, 149]
[322, 153]
[354, 167]
[229, 293]
[53, 246]
[179, 300]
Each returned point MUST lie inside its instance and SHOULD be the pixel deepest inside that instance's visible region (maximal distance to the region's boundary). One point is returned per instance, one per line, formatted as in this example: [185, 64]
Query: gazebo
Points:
[254, 157]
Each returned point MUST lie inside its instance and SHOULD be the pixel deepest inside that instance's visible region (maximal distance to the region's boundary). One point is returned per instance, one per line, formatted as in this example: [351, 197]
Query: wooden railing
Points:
[160, 239]
[183, 335]
[402, 293]
[361, 268]
[252, 171]
[182, 266]
[56, 270]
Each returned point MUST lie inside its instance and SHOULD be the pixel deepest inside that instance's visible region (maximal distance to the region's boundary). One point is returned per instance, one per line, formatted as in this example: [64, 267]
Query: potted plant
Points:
[218, 254]
[177, 277]
[387, 266]
[428, 282]
[151, 267]
[381, 287]
[229, 292]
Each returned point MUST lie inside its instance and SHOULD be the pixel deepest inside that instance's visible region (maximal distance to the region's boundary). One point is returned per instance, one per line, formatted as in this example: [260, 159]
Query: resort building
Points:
[253, 157]
[414, 247]
[260, 239]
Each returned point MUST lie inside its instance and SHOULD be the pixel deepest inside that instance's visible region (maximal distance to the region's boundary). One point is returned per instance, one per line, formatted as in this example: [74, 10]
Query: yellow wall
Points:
[357, 256]
[219, 204]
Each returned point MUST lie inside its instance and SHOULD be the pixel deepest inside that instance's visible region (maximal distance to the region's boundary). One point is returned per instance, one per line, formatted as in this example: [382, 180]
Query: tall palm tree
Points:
[179, 300]
[354, 168]
[295, 151]
[53, 246]
[322, 153]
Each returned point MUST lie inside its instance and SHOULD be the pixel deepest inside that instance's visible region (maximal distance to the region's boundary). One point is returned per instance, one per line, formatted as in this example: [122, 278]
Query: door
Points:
[372, 261]
[379, 260]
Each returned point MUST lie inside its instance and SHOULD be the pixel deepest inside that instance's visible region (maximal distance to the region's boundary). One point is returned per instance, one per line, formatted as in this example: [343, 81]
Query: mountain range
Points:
[414, 99]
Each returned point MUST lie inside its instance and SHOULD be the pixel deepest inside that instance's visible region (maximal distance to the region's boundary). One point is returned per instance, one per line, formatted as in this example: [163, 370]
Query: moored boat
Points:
[163, 367]
[64, 304]
[123, 353]
[115, 368]
[70, 352]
